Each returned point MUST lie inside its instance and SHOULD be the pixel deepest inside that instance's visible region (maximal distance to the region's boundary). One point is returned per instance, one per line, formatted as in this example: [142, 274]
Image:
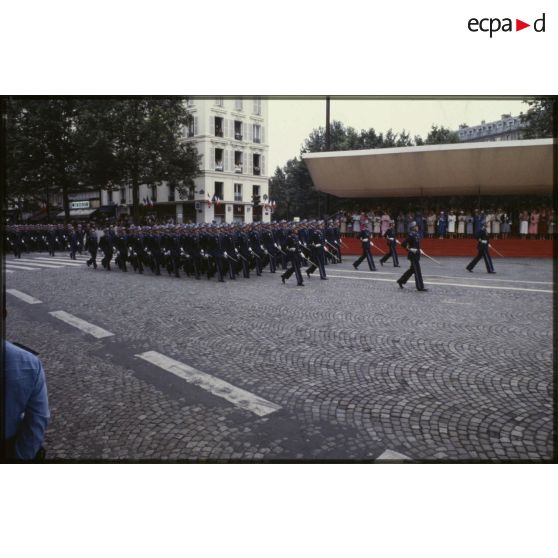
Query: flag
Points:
[208, 199]
[215, 199]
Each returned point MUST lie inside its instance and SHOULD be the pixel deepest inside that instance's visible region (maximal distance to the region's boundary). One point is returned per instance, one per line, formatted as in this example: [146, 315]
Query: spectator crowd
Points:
[455, 223]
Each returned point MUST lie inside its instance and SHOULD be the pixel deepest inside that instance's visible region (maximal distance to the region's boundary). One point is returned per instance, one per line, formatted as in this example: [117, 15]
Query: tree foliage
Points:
[72, 144]
[538, 118]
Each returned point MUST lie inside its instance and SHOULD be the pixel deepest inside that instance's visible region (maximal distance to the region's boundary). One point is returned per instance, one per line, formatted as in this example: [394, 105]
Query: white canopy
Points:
[488, 168]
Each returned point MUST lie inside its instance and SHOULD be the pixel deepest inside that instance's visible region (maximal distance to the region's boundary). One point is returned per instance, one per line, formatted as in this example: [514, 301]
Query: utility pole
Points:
[327, 147]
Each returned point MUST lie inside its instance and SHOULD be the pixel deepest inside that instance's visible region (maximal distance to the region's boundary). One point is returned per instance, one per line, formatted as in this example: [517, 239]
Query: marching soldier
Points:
[318, 254]
[412, 244]
[106, 244]
[293, 255]
[366, 253]
[389, 235]
[91, 244]
[482, 248]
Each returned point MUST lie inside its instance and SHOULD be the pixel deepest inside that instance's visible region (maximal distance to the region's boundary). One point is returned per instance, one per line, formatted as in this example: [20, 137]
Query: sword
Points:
[230, 257]
[254, 254]
[490, 246]
[377, 248]
[425, 254]
[306, 257]
[241, 256]
[336, 256]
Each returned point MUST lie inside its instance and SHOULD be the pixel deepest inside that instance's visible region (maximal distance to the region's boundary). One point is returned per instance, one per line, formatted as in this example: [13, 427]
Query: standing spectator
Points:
[496, 223]
[419, 222]
[489, 217]
[477, 222]
[409, 218]
[523, 223]
[356, 221]
[543, 224]
[343, 224]
[461, 220]
[363, 221]
[349, 226]
[442, 225]
[370, 222]
[431, 223]
[534, 223]
[452, 218]
[26, 409]
[377, 222]
[551, 224]
[385, 223]
[469, 225]
[400, 224]
[505, 224]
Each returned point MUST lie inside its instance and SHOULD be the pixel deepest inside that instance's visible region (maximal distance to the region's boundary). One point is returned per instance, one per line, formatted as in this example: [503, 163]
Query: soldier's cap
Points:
[413, 224]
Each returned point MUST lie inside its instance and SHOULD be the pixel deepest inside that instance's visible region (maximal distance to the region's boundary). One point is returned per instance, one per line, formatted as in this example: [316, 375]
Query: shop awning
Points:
[77, 213]
[487, 168]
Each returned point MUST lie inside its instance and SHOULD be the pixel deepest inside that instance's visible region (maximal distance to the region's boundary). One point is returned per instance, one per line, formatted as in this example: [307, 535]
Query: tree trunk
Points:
[135, 200]
[66, 202]
[47, 203]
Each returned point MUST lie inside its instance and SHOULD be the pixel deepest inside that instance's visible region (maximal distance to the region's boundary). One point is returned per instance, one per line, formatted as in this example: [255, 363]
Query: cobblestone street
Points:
[350, 369]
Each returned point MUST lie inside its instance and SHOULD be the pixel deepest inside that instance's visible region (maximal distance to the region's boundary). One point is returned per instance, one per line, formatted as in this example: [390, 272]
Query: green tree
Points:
[146, 141]
[441, 134]
[538, 118]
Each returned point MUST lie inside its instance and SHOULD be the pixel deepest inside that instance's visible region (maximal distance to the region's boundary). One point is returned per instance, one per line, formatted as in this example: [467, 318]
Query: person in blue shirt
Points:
[26, 411]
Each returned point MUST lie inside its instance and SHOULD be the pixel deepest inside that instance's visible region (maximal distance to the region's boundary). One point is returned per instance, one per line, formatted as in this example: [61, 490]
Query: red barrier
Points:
[512, 247]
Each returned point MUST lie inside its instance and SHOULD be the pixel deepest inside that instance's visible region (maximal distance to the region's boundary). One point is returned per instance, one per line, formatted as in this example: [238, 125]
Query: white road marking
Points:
[9, 270]
[390, 455]
[239, 397]
[494, 287]
[456, 302]
[12, 266]
[93, 330]
[22, 296]
[36, 264]
[397, 273]
[57, 261]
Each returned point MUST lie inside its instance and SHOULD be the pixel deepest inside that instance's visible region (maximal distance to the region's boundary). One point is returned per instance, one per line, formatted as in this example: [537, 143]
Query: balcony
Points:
[257, 140]
[238, 168]
[218, 131]
[257, 171]
[219, 166]
[238, 136]
[237, 197]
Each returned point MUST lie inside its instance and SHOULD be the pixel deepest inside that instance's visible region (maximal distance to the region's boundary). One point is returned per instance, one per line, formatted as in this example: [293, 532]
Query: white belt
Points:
[367, 240]
[484, 241]
[392, 239]
[317, 245]
[292, 249]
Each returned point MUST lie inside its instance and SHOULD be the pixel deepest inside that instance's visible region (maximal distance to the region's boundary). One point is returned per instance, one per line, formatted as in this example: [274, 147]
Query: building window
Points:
[219, 190]
[238, 104]
[172, 193]
[109, 196]
[219, 126]
[238, 192]
[237, 130]
[257, 105]
[154, 193]
[257, 133]
[256, 164]
[255, 189]
[238, 161]
[123, 195]
[219, 101]
[218, 159]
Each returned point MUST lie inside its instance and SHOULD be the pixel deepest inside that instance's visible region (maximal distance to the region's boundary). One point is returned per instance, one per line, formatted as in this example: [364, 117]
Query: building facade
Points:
[230, 134]
[506, 129]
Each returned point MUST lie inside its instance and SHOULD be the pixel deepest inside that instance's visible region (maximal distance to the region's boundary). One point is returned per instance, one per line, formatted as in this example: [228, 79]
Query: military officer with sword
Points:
[482, 251]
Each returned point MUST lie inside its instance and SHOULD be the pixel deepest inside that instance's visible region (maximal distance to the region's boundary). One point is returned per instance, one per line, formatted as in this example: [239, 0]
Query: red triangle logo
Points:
[519, 25]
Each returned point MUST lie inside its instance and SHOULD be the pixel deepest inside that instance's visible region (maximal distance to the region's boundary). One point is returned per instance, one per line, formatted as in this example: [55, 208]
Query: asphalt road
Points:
[353, 368]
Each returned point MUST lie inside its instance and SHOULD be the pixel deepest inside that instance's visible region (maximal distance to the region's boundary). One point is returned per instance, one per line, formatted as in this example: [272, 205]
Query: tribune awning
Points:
[486, 168]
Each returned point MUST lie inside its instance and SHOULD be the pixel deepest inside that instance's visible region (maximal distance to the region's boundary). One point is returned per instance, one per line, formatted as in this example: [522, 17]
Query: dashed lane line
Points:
[91, 329]
[390, 455]
[14, 267]
[58, 261]
[237, 396]
[22, 296]
[493, 287]
[36, 264]
[397, 273]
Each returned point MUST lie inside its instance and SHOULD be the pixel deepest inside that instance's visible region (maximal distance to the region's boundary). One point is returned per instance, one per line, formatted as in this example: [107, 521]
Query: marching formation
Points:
[224, 250]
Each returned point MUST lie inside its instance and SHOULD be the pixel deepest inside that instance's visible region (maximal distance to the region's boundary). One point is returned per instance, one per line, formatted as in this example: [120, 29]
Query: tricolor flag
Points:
[208, 199]
[215, 199]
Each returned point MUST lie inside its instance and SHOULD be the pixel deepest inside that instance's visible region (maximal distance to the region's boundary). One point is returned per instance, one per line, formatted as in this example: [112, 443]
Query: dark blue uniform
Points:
[91, 244]
[365, 240]
[318, 253]
[389, 235]
[412, 243]
[482, 247]
[293, 255]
